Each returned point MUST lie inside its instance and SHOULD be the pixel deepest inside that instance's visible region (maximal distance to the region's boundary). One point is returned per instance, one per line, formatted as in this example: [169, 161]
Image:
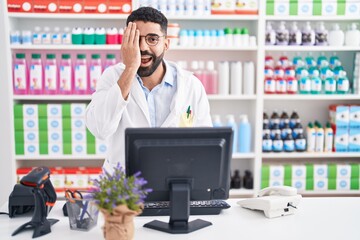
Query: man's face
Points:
[151, 56]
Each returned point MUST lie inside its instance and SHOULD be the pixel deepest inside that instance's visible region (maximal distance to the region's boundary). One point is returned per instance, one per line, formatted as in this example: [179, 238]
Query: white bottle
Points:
[249, 78]
[270, 35]
[236, 78]
[56, 36]
[329, 138]
[37, 35]
[310, 137]
[231, 123]
[352, 36]
[224, 77]
[66, 36]
[308, 35]
[336, 36]
[46, 36]
[294, 35]
[319, 140]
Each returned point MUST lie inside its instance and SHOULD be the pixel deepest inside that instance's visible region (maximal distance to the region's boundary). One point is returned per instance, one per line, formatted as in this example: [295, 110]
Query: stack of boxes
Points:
[54, 129]
[313, 7]
[345, 122]
[308, 177]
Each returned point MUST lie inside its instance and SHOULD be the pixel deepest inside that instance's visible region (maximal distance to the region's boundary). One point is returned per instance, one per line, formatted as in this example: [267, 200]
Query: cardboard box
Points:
[45, 6]
[95, 6]
[20, 5]
[70, 6]
[119, 6]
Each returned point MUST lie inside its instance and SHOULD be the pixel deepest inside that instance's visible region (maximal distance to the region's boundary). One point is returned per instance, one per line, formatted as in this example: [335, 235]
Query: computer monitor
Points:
[181, 165]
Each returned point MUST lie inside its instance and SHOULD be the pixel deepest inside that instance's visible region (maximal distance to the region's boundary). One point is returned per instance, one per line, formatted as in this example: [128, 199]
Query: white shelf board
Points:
[311, 97]
[304, 155]
[330, 192]
[235, 193]
[230, 17]
[243, 155]
[52, 97]
[118, 47]
[60, 157]
[288, 48]
[312, 18]
[231, 97]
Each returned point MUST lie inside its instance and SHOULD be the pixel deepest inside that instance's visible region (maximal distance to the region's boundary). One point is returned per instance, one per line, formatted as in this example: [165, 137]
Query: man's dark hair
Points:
[149, 14]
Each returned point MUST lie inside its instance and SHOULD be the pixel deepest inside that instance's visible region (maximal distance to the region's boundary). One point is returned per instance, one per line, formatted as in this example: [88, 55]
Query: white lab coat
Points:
[108, 114]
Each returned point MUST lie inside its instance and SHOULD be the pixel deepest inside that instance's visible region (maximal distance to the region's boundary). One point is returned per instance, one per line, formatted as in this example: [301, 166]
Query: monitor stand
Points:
[179, 212]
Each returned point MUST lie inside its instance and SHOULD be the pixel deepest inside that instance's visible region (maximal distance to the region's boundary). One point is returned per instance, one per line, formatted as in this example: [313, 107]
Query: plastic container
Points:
[329, 138]
[100, 36]
[66, 37]
[216, 121]
[311, 137]
[282, 35]
[95, 71]
[110, 60]
[120, 35]
[112, 36]
[352, 36]
[319, 140]
[266, 143]
[56, 36]
[236, 78]
[65, 75]
[321, 35]
[37, 35]
[231, 123]
[244, 135]
[308, 35]
[77, 36]
[336, 36]
[89, 35]
[80, 75]
[20, 75]
[245, 38]
[46, 36]
[50, 74]
[36, 74]
[270, 35]
[224, 75]
[295, 35]
[249, 78]
[211, 78]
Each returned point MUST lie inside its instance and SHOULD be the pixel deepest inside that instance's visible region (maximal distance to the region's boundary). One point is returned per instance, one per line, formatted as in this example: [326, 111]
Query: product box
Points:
[299, 184]
[298, 172]
[55, 136]
[76, 178]
[95, 6]
[45, 6]
[55, 148]
[78, 148]
[246, 7]
[354, 140]
[54, 110]
[70, 6]
[352, 8]
[20, 6]
[78, 110]
[223, 6]
[78, 136]
[305, 8]
[276, 172]
[276, 182]
[30, 124]
[78, 124]
[320, 171]
[57, 176]
[31, 149]
[342, 184]
[354, 117]
[101, 147]
[320, 184]
[30, 111]
[341, 140]
[343, 171]
[54, 124]
[329, 7]
[340, 116]
[119, 6]
[31, 136]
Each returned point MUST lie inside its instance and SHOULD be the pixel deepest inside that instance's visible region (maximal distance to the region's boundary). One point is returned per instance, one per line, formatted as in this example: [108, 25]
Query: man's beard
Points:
[147, 71]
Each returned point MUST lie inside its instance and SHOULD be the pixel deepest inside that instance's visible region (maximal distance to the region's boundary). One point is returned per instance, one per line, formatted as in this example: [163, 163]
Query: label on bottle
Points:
[269, 86]
[80, 77]
[280, 86]
[20, 77]
[292, 86]
[56, 38]
[65, 78]
[66, 38]
[277, 145]
[95, 74]
[36, 38]
[316, 85]
[305, 85]
[343, 85]
[300, 144]
[289, 145]
[330, 86]
[267, 145]
[35, 77]
[50, 77]
[274, 132]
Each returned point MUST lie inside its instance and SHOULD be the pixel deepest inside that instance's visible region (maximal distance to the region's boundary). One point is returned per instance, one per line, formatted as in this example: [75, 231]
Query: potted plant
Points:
[120, 199]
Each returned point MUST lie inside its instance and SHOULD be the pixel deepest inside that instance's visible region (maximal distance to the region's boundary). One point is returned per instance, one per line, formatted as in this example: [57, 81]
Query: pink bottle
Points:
[195, 68]
[110, 60]
[80, 75]
[211, 78]
[65, 75]
[50, 75]
[95, 70]
[36, 74]
[121, 34]
[20, 74]
[112, 36]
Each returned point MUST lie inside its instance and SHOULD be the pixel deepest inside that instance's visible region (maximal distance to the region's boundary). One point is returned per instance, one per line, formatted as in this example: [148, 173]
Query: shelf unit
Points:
[252, 105]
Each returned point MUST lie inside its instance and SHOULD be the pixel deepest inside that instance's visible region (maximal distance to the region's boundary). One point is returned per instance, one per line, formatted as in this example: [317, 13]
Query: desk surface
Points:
[316, 218]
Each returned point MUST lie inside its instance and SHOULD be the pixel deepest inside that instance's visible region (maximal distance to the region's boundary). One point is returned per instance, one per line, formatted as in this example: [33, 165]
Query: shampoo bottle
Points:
[352, 36]
[336, 36]
[270, 35]
[244, 134]
[311, 137]
[20, 77]
[282, 35]
[321, 35]
[308, 35]
[295, 35]
[231, 123]
[329, 138]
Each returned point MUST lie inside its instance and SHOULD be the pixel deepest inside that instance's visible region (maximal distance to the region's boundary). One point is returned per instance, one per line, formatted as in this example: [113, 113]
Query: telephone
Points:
[274, 201]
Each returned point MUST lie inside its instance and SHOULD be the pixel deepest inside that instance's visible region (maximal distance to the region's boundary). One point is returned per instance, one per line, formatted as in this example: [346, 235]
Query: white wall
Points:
[7, 165]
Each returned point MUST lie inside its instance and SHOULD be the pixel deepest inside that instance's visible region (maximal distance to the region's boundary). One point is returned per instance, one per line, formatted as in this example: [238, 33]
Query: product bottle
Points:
[37, 35]
[20, 74]
[278, 144]
[319, 140]
[236, 179]
[80, 75]
[46, 36]
[100, 36]
[343, 84]
[316, 83]
[274, 119]
[294, 119]
[237, 37]
[352, 36]
[270, 35]
[248, 180]
[297, 130]
[269, 85]
[89, 35]
[224, 76]
[112, 36]
[120, 35]
[56, 36]
[266, 129]
[336, 36]
[295, 35]
[289, 144]
[211, 78]
[266, 143]
[51, 74]
[284, 119]
[321, 35]
[228, 36]
[275, 130]
[66, 36]
[310, 137]
[330, 83]
[231, 123]
[308, 35]
[329, 138]
[291, 85]
[300, 143]
[282, 35]
[236, 78]
[245, 37]
[110, 60]
[77, 36]
[95, 70]
[280, 85]
[65, 75]
[249, 78]
[244, 135]
[216, 121]
[36, 74]
[266, 118]
[285, 130]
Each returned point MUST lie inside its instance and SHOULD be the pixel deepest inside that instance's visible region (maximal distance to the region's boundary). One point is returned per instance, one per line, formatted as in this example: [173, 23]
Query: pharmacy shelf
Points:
[231, 97]
[243, 155]
[230, 17]
[242, 192]
[60, 157]
[117, 47]
[304, 155]
[311, 97]
[52, 97]
[288, 48]
[330, 193]
[312, 18]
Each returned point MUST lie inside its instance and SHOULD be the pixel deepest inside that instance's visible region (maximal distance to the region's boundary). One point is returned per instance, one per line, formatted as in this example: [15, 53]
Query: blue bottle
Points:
[244, 134]
[216, 121]
[231, 123]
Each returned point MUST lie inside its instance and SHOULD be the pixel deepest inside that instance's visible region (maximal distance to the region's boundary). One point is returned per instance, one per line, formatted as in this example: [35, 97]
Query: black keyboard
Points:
[211, 207]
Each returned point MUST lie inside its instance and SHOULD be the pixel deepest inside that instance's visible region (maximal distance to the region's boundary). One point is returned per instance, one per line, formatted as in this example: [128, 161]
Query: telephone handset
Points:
[274, 201]
[278, 190]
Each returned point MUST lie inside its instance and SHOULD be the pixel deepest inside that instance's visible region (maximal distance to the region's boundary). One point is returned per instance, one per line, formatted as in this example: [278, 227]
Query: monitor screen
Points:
[181, 163]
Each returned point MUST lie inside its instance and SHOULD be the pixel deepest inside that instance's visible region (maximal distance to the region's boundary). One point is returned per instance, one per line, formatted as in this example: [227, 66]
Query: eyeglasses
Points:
[152, 39]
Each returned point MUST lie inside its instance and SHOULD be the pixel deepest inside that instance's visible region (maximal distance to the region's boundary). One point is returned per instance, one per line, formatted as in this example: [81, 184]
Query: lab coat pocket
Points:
[186, 120]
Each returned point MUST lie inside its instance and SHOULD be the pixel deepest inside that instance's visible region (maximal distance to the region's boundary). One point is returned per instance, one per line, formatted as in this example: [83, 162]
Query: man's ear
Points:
[167, 44]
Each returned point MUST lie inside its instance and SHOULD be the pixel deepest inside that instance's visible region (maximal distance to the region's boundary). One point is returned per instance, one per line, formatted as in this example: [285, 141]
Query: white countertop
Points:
[316, 218]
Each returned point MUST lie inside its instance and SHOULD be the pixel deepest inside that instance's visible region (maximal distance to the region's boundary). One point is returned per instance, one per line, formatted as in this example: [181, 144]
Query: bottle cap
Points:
[20, 55]
[95, 56]
[36, 56]
[81, 56]
[244, 118]
[244, 31]
[65, 56]
[50, 56]
[237, 31]
[227, 31]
